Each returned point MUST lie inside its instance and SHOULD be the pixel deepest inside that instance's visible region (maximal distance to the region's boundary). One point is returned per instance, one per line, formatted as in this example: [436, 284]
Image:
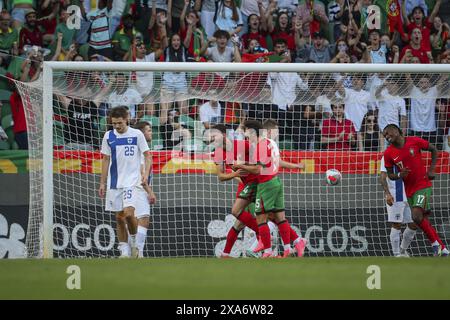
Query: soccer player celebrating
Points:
[269, 196]
[398, 212]
[227, 153]
[123, 149]
[405, 154]
[143, 206]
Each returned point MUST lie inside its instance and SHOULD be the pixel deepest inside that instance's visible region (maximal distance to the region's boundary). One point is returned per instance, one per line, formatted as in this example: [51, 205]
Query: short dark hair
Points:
[253, 124]
[221, 127]
[280, 41]
[393, 125]
[221, 33]
[375, 31]
[119, 112]
[270, 124]
[141, 125]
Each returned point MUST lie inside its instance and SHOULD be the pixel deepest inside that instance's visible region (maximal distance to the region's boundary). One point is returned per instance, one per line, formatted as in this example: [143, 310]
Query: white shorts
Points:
[399, 212]
[118, 199]
[142, 208]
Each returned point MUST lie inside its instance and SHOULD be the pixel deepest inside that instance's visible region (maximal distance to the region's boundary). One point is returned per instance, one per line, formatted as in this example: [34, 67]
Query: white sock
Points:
[286, 246]
[395, 241]
[124, 249]
[408, 236]
[272, 226]
[132, 240]
[140, 237]
[254, 244]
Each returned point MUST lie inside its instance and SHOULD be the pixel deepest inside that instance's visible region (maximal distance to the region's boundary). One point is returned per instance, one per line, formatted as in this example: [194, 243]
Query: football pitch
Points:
[210, 278]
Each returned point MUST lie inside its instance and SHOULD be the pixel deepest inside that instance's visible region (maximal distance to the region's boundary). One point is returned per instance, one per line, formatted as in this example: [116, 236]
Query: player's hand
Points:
[240, 173]
[300, 165]
[151, 198]
[236, 167]
[389, 199]
[404, 172]
[102, 190]
[431, 174]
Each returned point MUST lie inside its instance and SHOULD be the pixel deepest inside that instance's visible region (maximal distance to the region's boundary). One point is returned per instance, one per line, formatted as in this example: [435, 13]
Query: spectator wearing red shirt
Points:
[20, 124]
[30, 34]
[281, 30]
[418, 20]
[338, 133]
[416, 48]
[192, 32]
[257, 30]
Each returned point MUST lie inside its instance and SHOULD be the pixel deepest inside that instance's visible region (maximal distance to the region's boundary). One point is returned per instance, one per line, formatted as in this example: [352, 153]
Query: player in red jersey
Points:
[270, 195]
[226, 154]
[405, 153]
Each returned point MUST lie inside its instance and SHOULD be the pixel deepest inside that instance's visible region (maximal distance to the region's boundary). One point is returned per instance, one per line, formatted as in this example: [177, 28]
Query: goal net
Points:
[67, 116]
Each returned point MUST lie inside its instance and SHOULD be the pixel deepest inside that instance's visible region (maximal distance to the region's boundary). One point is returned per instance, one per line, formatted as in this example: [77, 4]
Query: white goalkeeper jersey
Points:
[396, 187]
[127, 152]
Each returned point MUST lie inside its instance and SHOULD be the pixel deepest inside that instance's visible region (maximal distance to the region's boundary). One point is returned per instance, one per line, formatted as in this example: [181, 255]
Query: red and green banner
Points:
[168, 162]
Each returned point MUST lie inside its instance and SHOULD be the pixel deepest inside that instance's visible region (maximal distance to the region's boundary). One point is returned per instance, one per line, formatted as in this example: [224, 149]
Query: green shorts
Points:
[269, 197]
[421, 199]
[249, 192]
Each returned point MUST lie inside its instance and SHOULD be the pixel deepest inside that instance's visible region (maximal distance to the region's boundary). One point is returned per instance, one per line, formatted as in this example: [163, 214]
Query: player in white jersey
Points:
[123, 150]
[143, 206]
[398, 212]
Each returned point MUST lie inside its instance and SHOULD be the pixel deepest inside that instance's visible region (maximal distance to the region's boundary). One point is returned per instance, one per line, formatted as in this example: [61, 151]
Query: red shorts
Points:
[241, 187]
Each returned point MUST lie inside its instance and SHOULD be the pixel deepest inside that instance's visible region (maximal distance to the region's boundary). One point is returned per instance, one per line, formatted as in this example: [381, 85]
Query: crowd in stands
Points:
[347, 112]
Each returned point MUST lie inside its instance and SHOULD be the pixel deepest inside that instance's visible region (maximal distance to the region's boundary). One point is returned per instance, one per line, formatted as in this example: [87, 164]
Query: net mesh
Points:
[192, 213]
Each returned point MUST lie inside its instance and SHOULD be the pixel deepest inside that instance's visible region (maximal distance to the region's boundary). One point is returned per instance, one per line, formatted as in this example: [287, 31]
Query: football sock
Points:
[285, 235]
[395, 241]
[246, 218]
[231, 239]
[140, 237]
[264, 233]
[408, 236]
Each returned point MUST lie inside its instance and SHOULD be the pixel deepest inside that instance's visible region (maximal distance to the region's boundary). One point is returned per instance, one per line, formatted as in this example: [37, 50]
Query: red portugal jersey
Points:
[409, 157]
[240, 153]
[267, 155]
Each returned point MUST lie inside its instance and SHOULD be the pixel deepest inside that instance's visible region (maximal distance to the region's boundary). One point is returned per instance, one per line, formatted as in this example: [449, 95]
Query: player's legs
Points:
[122, 234]
[232, 236]
[409, 233]
[245, 198]
[131, 222]
[143, 225]
[420, 209]
[395, 219]
[264, 233]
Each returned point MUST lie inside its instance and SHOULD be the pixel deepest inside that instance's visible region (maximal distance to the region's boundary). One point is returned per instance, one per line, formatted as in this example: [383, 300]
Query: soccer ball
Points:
[333, 176]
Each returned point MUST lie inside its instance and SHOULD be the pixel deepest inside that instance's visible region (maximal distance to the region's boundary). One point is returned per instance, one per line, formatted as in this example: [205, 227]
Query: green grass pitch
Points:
[210, 278]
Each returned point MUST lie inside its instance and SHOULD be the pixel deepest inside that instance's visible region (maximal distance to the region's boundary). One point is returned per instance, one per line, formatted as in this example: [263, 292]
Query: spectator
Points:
[342, 52]
[124, 95]
[8, 35]
[174, 133]
[100, 38]
[338, 133]
[335, 10]
[357, 102]
[306, 129]
[319, 52]
[228, 17]
[391, 107]
[416, 48]
[31, 34]
[145, 13]
[144, 79]
[158, 32]
[208, 8]
[376, 52]
[20, 124]
[252, 7]
[80, 130]
[210, 113]
[439, 36]
[257, 28]
[444, 123]
[68, 35]
[313, 17]
[19, 11]
[192, 32]
[370, 133]
[48, 13]
[282, 28]
[423, 105]
[123, 38]
[419, 20]
[284, 91]
[174, 84]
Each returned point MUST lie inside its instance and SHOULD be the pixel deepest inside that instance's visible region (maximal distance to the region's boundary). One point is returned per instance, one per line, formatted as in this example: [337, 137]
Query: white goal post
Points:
[50, 68]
